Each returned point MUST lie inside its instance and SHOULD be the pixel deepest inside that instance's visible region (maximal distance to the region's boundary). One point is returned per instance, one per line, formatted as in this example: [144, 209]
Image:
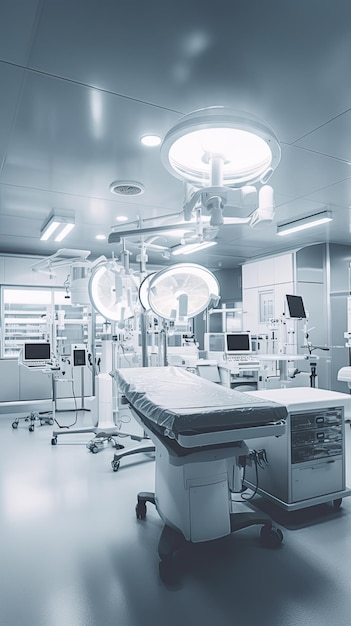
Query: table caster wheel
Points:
[271, 537]
[168, 573]
[14, 424]
[337, 503]
[54, 441]
[31, 428]
[115, 465]
[140, 510]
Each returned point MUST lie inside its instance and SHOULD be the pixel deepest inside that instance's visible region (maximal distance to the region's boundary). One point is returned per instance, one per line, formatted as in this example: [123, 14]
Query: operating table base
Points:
[172, 540]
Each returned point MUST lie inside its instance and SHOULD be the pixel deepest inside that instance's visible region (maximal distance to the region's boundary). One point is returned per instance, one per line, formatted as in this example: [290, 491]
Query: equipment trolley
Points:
[306, 465]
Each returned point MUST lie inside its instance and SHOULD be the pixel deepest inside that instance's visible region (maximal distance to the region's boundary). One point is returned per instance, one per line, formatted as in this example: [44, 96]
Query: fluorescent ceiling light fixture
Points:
[122, 218]
[220, 146]
[192, 247]
[100, 237]
[57, 227]
[310, 221]
[150, 140]
[64, 232]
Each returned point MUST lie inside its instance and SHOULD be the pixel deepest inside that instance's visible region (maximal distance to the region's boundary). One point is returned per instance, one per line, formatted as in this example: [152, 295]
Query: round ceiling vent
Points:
[126, 188]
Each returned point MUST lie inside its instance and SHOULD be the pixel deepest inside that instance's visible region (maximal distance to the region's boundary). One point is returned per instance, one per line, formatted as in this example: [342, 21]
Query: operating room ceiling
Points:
[82, 81]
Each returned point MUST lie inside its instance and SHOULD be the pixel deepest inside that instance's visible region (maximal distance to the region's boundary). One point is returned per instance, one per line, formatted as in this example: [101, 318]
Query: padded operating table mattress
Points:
[196, 411]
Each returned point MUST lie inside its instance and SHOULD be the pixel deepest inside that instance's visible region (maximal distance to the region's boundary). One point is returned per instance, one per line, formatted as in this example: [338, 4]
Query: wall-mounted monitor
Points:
[238, 343]
[36, 351]
[295, 307]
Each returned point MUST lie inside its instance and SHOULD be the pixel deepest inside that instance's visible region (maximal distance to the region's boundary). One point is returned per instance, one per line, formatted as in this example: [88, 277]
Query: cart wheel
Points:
[115, 465]
[54, 441]
[14, 424]
[337, 503]
[140, 510]
[94, 449]
[271, 537]
[31, 428]
[51, 421]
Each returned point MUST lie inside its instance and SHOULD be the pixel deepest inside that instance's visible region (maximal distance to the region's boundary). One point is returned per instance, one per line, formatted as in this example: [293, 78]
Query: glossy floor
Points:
[74, 554]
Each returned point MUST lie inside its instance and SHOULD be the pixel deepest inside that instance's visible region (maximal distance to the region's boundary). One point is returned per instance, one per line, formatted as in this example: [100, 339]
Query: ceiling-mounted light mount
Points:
[225, 158]
[57, 226]
[309, 221]
[221, 146]
[217, 150]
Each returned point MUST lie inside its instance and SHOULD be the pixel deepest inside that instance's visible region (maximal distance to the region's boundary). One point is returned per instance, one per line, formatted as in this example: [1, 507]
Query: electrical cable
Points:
[251, 496]
[76, 410]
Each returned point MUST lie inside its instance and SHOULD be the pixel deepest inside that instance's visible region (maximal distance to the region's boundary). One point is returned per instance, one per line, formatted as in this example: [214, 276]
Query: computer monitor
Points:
[238, 343]
[36, 351]
[295, 307]
[78, 356]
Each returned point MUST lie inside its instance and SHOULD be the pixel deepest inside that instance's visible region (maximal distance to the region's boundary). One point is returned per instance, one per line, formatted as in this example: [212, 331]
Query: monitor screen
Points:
[79, 357]
[238, 342]
[295, 306]
[37, 351]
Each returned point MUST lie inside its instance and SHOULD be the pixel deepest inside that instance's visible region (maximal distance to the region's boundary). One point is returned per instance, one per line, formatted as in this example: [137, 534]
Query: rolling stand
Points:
[45, 417]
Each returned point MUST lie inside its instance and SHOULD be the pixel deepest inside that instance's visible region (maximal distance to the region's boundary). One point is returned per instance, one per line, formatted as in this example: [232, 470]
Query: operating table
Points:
[198, 428]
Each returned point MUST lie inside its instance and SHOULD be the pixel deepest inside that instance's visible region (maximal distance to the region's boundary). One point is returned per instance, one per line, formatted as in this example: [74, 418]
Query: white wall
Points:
[275, 274]
[18, 271]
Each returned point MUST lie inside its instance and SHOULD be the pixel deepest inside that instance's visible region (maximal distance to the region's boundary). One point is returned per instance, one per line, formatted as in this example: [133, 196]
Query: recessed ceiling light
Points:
[150, 140]
[100, 237]
[122, 218]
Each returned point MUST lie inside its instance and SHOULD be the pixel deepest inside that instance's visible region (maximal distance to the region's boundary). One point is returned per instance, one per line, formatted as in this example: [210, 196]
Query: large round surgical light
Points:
[244, 148]
[113, 293]
[144, 291]
[182, 291]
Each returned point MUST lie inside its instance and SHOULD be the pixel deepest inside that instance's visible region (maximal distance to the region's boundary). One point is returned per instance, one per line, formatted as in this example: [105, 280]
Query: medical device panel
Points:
[36, 354]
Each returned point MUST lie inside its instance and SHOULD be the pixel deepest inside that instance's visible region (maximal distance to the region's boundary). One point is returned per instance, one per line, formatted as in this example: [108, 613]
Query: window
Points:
[265, 306]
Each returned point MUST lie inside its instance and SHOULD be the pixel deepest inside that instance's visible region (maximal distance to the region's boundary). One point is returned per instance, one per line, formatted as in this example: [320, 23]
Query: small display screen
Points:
[37, 351]
[238, 342]
[295, 306]
[79, 357]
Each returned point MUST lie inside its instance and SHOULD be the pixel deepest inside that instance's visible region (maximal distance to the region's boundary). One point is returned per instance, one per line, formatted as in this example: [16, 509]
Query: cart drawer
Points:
[316, 479]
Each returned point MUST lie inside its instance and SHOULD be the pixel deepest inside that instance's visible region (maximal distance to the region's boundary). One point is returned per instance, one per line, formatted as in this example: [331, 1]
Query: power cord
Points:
[259, 459]
[76, 410]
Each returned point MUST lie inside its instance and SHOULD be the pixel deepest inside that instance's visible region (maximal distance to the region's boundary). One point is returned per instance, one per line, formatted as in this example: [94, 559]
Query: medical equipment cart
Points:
[306, 465]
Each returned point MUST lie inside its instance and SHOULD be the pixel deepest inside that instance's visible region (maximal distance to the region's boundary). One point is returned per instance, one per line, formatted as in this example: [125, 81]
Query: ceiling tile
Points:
[17, 28]
[333, 138]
